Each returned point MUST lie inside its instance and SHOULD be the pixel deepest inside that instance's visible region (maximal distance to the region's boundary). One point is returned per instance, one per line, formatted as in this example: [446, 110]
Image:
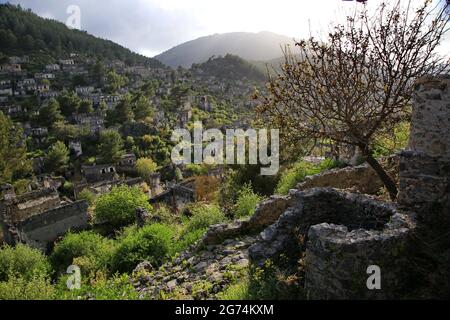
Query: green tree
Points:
[115, 81]
[143, 109]
[145, 167]
[13, 153]
[68, 103]
[118, 208]
[124, 111]
[49, 114]
[85, 107]
[110, 146]
[58, 157]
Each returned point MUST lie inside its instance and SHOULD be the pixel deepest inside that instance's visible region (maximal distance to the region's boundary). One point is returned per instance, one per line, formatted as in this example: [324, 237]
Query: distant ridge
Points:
[260, 46]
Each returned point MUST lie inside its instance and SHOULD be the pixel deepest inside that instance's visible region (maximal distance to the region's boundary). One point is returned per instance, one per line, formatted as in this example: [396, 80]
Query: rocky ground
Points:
[196, 274]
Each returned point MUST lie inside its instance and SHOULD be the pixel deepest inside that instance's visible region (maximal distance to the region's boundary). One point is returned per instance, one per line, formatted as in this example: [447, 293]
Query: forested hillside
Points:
[230, 67]
[23, 32]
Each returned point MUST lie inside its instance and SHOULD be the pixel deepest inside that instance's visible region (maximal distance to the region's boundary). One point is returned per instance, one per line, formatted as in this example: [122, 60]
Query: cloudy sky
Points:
[153, 26]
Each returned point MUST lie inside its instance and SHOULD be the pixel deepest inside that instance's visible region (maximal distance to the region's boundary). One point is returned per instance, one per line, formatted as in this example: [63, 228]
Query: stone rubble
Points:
[195, 274]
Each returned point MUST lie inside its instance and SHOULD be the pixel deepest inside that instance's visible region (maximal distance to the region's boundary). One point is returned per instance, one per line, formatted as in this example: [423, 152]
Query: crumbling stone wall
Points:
[337, 259]
[33, 203]
[344, 233]
[362, 179]
[266, 213]
[42, 230]
[425, 166]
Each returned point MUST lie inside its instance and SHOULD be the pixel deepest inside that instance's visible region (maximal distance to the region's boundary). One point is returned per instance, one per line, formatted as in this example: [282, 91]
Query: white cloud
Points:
[152, 26]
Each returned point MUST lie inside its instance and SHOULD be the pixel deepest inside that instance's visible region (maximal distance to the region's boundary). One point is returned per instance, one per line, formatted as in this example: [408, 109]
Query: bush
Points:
[24, 262]
[22, 288]
[118, 287]
[145, 168]
[87, 195]
[204, 216]
[300, 170]
[152, 243]
[246, 202]
[118, 208]
[188, 239]
[92, 246]
[238, 291]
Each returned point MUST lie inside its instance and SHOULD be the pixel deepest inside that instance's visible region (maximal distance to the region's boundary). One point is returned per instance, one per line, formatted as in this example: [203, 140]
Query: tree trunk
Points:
[382, 174]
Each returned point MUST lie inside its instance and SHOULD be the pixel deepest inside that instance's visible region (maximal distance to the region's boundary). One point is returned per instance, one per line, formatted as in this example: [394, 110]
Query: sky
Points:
[150, 27]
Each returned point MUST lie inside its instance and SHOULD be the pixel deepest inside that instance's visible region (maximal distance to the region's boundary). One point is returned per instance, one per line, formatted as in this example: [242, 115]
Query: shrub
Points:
[22, 288]
[300, 170]
[204, 216]
[85, 244]
[238, 291]
[145, 168]
[21, 186]
[246, 202]
[24, 262]
[152, 243]
[188, 239]
[87, 195]
[165, 215]
[118, 287]
[118, 207]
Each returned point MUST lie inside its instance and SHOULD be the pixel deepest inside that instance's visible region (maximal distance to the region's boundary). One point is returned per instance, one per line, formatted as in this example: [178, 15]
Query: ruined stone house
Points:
[99, 173]
[39, 217]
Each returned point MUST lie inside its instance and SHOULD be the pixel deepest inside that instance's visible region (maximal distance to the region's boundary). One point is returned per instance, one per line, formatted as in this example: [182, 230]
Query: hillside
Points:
[22, 33]
[229, 67]
[261, 46]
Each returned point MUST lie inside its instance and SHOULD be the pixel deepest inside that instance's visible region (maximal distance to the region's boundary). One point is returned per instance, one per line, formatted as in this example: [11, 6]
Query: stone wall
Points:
[40, 231]
[33, 203]
[266, 213]
[362, 179]
[344, 234]
[425, 166]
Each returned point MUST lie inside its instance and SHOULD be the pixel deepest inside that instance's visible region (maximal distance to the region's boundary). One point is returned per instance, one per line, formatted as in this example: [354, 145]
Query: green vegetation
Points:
[297, 173]
[23, 32]
[49, 114]
[93, 247]
[57, 159]
[110, 147]
[230, 67]
[118, 207]
[204, 216]
[13, 158]
[146, 167]
[246, 202]
[22, 262]
[20, 288]
[152, 243]
[87, 195]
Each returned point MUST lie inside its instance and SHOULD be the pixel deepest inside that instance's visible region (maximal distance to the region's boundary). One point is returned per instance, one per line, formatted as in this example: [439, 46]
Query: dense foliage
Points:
[23, 32]
[118, 207]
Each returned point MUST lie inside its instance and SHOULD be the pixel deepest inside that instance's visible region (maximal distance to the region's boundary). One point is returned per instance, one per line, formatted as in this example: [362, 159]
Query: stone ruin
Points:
[39, 217]
[338, 235]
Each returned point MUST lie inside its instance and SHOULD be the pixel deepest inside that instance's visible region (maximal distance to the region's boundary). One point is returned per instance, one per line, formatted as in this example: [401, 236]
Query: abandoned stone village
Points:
[331, 226]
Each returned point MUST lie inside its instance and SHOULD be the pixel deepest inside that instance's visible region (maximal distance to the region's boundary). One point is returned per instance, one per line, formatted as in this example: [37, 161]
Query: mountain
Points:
[249, 46]
[229, 67]
[22, 33]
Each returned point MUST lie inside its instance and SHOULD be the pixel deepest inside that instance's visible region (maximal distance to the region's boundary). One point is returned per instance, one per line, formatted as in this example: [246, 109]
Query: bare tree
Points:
[358, 82]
